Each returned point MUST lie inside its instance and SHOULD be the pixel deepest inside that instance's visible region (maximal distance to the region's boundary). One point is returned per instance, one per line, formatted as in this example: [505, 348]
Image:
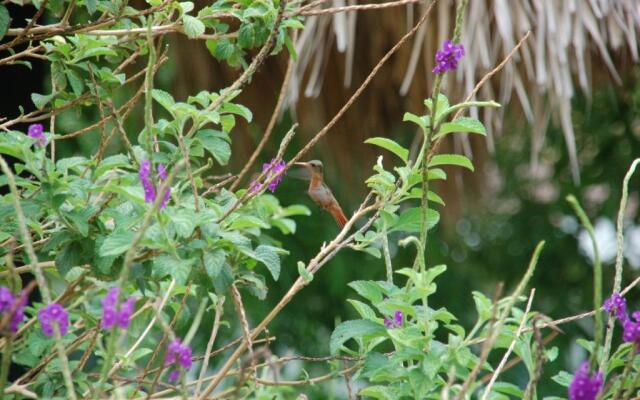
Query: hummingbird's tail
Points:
[337, 214]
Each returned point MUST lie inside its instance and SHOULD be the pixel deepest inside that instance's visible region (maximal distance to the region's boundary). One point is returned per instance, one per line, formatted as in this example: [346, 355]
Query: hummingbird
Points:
[320, 192]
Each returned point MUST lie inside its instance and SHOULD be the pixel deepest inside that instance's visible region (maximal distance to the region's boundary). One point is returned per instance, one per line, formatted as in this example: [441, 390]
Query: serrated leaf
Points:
[269, 257]
[390, 145]
[422, 122]
[5, 20]
[111, 162]
[463, 124]
[164, 99]
[215, 142]
[368, 289]
[237, 109]
[451, 159]
[363, 309]
[178, 269]
[213, 263]
[41, 100]
[184, 222]
[116, 243]
[358, 328]
[192, 26]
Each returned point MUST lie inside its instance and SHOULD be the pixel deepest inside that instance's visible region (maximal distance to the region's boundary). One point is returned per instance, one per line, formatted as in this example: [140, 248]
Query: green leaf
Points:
[220, 49]
[5, 20]
[422, 122]
[269, 257]
[358, 328]
[216, 143]
[363, 309]
[390, 145]
[463, 124]
[70, 256]
[41, 100]
[304, 273]
[247, 36]
[451, 159]
[368, 289]
[192, 26]
[410, 220]
[76, 81]
[237, 109]
[116, 243]
[178, 269]
[110, 163]
[379, 392]
[164, 99]
[184, 221]
[213, 262]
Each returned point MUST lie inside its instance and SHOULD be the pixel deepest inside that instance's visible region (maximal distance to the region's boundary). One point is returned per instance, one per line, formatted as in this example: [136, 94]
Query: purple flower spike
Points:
[447, 58]
[162, 174]
[617, 305]
[18, 315]
[585, 386]
[396, 322]
[36, 131]
[273, 170]
[6, 299]
[8, 302]
[112, 315]
[179, 355]
[53, 313]
[145, 179]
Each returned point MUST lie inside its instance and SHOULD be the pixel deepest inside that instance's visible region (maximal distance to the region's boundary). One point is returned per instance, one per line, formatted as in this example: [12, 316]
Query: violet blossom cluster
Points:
[585, 386]
[36, 131]
[147, 184]
[54, 313]
[447, 58]
[617, 305]
[396, 322]
[275, 170]
[178, 355]
[113, 315]
[9, 303]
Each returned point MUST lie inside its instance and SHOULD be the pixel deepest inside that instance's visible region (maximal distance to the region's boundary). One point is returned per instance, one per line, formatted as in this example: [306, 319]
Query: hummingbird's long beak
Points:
[303, 173]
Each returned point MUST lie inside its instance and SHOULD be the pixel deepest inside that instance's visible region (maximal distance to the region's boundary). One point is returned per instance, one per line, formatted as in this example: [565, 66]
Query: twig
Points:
[272, 122]
[212, 338]
[538, 360]
[360, 7]
[506, 355]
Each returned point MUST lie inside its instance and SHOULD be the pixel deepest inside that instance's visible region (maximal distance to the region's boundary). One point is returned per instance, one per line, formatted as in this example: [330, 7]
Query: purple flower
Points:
[6, 299]
[147, 184]
[8, 302]
[162, 175]
[111, 315]
[275, 170]
[178, 354]
[145, 179]
[585, 386]
[53, 313]
[447, 58]
[18, 314]
[617, 305]
[396, 322]
[631, 330]
[36, 131]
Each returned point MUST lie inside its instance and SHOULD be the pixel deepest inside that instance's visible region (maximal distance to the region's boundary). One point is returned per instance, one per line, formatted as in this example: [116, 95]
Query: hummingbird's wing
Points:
[322, 195]
[300, 173]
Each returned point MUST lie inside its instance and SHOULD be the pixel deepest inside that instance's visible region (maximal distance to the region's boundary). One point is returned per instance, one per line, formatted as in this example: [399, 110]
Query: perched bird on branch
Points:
[320, 192]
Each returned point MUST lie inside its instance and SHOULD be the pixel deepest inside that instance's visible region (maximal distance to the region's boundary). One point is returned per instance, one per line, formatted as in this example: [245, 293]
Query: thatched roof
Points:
[567, 38]
[571, 42]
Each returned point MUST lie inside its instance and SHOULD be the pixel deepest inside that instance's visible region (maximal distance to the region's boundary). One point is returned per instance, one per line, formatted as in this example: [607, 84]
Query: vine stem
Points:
[35, 268]
[617, 282]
